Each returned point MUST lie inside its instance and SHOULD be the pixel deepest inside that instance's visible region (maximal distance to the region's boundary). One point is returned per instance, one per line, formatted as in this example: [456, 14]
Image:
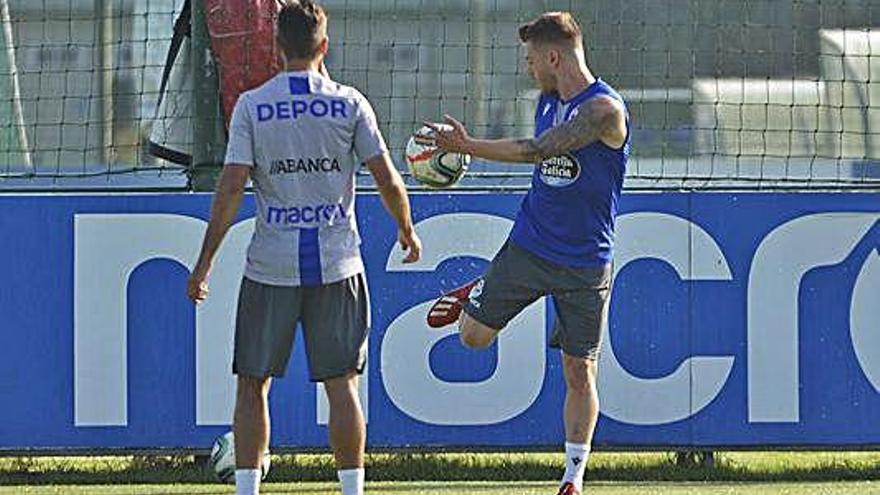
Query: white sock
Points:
[247, 481]
[352, 481]
[576, 455]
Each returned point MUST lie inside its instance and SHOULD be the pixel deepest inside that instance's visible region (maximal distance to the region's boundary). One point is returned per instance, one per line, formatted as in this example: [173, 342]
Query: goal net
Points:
[749, 94]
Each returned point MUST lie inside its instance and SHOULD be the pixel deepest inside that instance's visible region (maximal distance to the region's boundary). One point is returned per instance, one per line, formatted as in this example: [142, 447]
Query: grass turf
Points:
[734, 473]
[477, 488]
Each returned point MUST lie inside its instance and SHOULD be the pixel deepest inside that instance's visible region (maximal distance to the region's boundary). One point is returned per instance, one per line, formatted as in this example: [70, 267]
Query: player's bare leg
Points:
[474, 334]
[251, 426]
[251, 421]
[581, 398]
[580, 415]
[347, 431]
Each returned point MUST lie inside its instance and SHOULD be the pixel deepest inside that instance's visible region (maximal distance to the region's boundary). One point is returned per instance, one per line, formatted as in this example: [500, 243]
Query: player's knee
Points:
[474, 341]
[252, 388]
[580, 375]
[341, 387]
[475, 335]
[580, 384]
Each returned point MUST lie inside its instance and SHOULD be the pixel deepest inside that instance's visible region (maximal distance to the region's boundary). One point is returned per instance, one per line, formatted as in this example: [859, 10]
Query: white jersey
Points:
[300, 132]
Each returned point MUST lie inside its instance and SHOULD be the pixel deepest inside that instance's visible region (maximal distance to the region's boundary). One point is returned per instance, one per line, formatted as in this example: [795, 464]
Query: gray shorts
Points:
[335, 320]
[516, 278]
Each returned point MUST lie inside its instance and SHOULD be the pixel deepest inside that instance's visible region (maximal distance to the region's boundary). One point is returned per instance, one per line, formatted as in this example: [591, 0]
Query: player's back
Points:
[303, 131]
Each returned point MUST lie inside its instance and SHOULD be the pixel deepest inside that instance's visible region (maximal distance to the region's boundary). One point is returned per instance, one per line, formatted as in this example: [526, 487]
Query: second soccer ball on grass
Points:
[223, 459]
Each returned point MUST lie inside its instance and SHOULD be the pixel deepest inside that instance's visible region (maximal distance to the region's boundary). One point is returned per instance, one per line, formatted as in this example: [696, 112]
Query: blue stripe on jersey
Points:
[309, 257]
[299, 85]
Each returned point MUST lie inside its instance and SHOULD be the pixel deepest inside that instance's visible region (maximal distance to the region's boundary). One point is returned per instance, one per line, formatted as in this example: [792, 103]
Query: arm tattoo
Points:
[529, 149]
[593, 118]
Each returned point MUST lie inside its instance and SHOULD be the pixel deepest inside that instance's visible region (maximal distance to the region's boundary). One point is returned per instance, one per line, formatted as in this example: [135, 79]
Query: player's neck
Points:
[573, 82]
[301, 64]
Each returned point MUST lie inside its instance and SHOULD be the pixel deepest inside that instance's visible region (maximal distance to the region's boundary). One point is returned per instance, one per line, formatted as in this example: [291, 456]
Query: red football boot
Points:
[568, 488]
[447, 309]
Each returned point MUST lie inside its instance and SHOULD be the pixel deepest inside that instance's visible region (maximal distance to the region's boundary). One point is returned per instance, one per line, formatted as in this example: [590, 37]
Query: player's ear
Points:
[554, 56]
[323, 46]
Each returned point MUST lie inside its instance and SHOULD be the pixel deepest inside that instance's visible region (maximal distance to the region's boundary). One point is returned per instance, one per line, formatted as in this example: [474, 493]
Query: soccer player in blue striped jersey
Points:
[300, 138]
[561, 243]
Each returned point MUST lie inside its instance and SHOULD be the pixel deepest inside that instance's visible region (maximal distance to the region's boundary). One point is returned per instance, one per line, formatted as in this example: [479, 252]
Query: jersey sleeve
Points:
[240, 146]
[368, 140]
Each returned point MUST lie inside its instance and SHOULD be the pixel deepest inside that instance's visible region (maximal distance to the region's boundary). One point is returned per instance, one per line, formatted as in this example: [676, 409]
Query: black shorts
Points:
[335, 320]
[516, 278]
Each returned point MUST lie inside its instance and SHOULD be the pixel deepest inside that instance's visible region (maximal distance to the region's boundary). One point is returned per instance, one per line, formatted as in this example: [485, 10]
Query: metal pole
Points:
[104, 10]
[478, 106]
[17, 114]
[207, 121]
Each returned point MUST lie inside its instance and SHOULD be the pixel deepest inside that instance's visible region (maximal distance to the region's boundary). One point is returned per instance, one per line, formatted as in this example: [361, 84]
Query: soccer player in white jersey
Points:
[295, 137]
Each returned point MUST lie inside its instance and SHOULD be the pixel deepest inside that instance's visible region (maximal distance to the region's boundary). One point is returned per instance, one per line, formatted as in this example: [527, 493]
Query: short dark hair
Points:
[300, 24]
[558, 28]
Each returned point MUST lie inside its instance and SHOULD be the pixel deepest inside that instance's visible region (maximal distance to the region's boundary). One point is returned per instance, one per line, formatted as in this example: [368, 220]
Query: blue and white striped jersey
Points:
[305, 136]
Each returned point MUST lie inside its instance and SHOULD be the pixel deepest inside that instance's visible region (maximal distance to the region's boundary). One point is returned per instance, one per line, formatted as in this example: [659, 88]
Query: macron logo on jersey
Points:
[304, 215]
[333, 108]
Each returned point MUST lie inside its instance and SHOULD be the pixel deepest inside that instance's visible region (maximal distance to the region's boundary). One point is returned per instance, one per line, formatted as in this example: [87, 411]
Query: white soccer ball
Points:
[223, 459]
[431, 165]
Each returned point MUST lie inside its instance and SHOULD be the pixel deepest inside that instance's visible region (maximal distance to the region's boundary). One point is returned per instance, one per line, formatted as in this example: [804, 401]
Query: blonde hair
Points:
[558, 28]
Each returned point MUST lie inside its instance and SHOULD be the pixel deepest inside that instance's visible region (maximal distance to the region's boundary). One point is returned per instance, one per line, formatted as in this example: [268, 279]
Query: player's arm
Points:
[368, 142]
[598, 117]
[227, 199]
[396, 201]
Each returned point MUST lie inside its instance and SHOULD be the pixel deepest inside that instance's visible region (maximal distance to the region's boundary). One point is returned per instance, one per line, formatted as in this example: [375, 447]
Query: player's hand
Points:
[409, 241]
[456, 139]
[197, 286]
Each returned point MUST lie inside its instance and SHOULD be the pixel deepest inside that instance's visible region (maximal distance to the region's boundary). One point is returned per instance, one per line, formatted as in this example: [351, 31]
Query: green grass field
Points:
[480, 488]
[734, 473]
